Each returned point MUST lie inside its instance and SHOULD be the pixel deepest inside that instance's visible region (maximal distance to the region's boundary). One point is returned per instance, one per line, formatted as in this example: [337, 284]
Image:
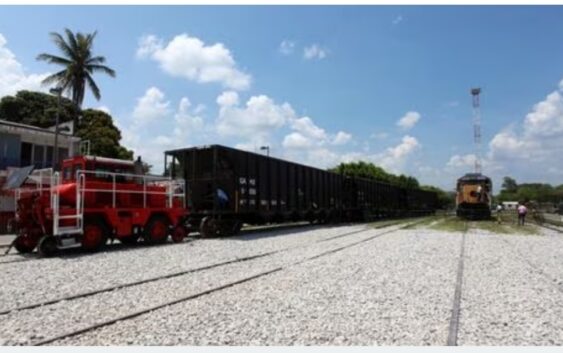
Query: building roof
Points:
[33, 128]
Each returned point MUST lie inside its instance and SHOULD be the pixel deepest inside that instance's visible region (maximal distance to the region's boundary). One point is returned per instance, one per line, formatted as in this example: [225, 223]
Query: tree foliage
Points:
[539, 192]
[371, 171]
[97, 127]
[446, 199]
[40, 109]
[36, 108]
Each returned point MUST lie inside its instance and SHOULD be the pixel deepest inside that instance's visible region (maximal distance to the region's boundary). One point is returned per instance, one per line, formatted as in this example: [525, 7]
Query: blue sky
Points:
[321, 84]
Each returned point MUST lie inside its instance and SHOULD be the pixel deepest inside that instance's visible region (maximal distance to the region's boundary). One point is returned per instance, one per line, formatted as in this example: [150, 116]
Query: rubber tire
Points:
[47, 246]
[154, 221]
[91, 224]
[208, 227]
[179, 234]
[24, 247]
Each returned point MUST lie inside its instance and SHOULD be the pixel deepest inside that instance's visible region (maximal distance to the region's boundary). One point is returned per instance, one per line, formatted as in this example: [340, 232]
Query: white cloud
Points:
[307, 127]
[228, 99]
[151, 107]
[341, 138]
[466, 161]
[287, 47]
[189, 57]
[176, 128]
[256, 120]
[297, 141]
[394, 157]
[398, 20]
[409, 120]
[186, 122]
[540, 140]
[13, 76]
[314, 52]
[104, 109]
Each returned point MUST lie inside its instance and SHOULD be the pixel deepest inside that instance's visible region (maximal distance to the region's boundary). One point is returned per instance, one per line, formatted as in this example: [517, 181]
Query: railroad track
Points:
[205, 292]
[124, 247]
[181, 273]
[121, 247]
[550, 227]
[456, 308]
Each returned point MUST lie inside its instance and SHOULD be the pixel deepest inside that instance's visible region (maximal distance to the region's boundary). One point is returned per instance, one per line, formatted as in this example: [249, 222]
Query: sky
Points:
[320, 85]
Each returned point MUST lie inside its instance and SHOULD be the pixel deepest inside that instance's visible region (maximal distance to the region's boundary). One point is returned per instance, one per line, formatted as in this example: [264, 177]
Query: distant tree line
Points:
[539, 192]
[371, 171]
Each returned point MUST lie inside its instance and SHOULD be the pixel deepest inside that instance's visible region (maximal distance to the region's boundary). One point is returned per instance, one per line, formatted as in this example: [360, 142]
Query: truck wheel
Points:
[156, 230]
[95, 235]
[24, 244]
[178, 234]
[47, 246]
[208, 227]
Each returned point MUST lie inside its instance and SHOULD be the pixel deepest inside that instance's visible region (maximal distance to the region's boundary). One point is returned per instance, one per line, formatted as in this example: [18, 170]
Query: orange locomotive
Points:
[474, 196]
[95, 199]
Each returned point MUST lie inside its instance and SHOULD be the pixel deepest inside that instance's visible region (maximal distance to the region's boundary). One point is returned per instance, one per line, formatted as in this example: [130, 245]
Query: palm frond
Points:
[53, 59]
[93, 86]
[62, 45]
[101, 68]
[71, 40]
[60, 78]
[96, 60]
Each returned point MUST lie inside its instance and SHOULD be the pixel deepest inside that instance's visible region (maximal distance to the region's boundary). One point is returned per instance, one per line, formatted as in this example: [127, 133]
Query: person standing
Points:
[522, 210]
[499, 213]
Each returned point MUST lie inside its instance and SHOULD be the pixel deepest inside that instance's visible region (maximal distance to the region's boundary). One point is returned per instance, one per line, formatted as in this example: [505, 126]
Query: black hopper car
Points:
[226, 187]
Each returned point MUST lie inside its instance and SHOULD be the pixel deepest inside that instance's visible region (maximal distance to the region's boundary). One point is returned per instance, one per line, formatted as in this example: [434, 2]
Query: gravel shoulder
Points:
[29, 326]
[394, 290]
[28, 282]
[505, 300]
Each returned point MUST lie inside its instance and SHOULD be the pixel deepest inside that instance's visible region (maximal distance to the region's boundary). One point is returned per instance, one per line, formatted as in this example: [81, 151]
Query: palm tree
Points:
[79, 65]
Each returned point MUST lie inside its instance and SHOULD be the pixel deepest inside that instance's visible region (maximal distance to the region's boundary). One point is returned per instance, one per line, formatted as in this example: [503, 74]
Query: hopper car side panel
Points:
[231, 185]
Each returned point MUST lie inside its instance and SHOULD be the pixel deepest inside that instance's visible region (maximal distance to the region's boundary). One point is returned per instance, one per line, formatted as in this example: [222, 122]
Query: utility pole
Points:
[477, 128]
[267, 149]
[57, 91]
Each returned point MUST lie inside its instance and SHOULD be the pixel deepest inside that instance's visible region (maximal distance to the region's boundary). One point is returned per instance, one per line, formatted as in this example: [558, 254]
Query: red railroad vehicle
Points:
[94, 199]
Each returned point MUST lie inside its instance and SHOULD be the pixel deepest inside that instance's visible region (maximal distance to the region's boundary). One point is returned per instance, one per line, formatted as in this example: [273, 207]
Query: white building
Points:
[23, 145]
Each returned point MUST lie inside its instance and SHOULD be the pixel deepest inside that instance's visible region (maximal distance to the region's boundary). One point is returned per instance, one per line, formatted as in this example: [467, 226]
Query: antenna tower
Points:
[477, 128]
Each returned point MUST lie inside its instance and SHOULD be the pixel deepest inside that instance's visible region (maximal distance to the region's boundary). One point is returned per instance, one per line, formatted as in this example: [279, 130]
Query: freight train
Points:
[474, 196]
[212, 190]
[226, 187]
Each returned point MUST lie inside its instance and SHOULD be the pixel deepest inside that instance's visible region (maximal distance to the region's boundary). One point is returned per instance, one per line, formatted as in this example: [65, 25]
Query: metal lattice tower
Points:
[477, 127]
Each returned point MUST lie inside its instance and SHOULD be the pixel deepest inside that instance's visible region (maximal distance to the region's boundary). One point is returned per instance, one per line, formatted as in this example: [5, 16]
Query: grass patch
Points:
[391, 222]
[426, 222]
[450, 224]
[505, 227]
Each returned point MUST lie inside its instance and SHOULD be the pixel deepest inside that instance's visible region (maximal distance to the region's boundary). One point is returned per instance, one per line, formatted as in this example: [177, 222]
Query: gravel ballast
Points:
[25, 283]
[505, 300]
[387, 286]
[29, 326]
[395, 289]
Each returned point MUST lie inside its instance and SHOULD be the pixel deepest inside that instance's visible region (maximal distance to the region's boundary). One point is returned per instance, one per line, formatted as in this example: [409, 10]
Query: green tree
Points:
[509, 184]
[79, 64]
[35, 108]
[446, 199]
[97, 127]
